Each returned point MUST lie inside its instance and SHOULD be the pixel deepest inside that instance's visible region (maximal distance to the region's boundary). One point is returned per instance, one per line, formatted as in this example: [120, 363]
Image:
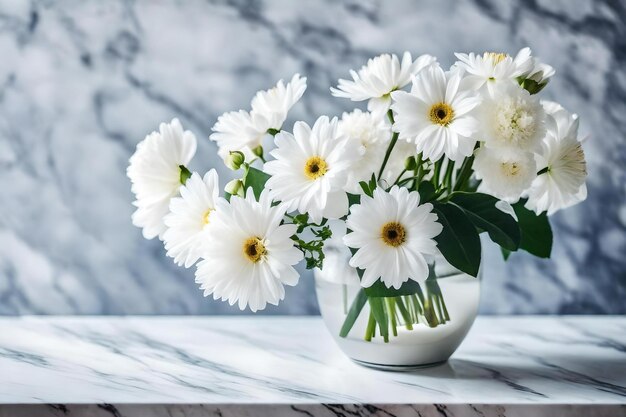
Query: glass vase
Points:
[422, 328]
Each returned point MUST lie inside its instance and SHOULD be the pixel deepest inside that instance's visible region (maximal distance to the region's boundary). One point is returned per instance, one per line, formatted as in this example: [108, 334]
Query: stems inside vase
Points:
[425, 306]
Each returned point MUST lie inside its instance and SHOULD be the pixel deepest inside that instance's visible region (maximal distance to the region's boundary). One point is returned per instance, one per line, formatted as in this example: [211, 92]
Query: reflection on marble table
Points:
[157, 366]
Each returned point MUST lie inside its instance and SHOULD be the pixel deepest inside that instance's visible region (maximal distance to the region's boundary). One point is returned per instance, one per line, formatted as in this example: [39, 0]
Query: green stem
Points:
[464, 173]
[429, 313]
[435, 301]
[379, 310]
[394, 139]
[355, 310]
[371, 328]
[411, 307]
[406, 180]
[391, 306]
[433, 288]
[418, 308]
[447, 179]
[408, 322]
[420, 294]
[436, 173]
[399, 176]
[445, 310]
[419, 172]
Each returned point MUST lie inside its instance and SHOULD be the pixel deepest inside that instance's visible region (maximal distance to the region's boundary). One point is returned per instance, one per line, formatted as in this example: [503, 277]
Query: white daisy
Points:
[273, 105]
[248, 255]
[376, 80]
[311, 168]
[373, 134]
[189, 216]
[505, 173]
[512, 118]
[238, 131]
[155, 174]
[563, 160]
[492, 69]
[437, 115]
[392, 233]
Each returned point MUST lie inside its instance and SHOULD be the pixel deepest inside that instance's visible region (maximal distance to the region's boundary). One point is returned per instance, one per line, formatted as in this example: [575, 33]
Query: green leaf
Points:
[427, 192]
[505, 253]
[366, 188]
[373, 184]
[353, 313]
[353, 199]
[535, 229]
[379, 289]
[256, 179]
[185, 174]
[458, 242]
[532, 86]
[482, 211]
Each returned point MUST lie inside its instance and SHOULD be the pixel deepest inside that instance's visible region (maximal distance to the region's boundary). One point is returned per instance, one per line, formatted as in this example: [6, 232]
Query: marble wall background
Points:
[81, 82]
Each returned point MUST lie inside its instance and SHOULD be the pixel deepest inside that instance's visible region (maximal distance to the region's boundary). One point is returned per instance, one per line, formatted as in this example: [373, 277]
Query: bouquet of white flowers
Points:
[420, 174]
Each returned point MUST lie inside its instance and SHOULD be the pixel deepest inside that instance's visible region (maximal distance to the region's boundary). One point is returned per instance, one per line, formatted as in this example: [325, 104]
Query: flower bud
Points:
[234, 187]
[234, 160]
[410, 164]
[258, 151]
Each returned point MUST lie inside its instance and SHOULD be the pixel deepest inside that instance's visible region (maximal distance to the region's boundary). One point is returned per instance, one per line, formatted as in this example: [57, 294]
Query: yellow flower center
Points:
[205, 217]
[315, 167]
[510, 169]
[441, 114]
[393, 234]
[495, 57]
[254, 249]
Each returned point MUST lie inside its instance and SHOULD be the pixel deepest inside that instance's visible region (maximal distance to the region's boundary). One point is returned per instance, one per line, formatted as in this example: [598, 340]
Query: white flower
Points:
[492, 69]
[238, 131]
[437, 115]
[373, 134]
[562, 156]
[273, 105]
[189, 216]
[376, 80]
[248, 255]
[512, 118]
[244, 131]
[392, 233]
[505, 173]
[311, 168]
[155, 174]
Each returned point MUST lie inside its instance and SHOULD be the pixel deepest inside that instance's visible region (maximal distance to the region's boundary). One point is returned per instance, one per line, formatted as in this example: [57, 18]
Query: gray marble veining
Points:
[152, 366]
[82, 82]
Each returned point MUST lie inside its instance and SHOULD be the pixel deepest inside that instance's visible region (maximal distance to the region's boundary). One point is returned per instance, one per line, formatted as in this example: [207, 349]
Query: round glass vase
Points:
[422, 328]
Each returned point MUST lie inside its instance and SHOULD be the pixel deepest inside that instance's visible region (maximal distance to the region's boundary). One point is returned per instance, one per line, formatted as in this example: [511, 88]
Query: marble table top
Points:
[184, 366]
